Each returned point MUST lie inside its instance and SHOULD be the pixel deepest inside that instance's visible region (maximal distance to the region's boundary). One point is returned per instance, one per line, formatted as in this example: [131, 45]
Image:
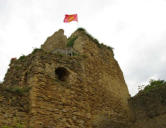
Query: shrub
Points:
[153, 85]
[70, 41]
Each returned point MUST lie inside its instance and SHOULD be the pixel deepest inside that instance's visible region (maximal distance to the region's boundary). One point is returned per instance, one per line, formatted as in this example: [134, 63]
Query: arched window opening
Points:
[62, 73]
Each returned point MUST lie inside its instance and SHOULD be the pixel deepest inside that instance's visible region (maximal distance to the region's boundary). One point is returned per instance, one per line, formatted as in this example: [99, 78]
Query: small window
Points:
[62, 73]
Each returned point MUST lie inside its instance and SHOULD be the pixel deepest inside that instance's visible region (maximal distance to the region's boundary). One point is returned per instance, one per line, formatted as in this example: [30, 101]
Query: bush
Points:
[153, 85]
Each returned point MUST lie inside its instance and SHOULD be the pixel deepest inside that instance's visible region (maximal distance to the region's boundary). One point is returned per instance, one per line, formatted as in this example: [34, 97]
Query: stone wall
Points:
[84, 90]
[94, 87]
[57, 40]
[14, 107]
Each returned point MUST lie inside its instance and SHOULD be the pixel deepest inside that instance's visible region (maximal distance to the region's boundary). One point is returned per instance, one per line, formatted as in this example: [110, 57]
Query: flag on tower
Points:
[70, 18]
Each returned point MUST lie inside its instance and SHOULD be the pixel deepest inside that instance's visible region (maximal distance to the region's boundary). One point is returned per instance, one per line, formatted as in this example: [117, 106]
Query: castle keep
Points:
[67, 83]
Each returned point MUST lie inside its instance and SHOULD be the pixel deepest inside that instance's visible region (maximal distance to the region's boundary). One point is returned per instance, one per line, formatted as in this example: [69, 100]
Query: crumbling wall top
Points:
[57, 40]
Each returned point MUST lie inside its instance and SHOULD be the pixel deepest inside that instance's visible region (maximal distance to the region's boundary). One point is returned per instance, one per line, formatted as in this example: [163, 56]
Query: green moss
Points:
[71, 41]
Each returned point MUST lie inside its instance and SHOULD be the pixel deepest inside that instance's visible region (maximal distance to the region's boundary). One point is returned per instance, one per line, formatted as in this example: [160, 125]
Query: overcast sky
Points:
[136, 29]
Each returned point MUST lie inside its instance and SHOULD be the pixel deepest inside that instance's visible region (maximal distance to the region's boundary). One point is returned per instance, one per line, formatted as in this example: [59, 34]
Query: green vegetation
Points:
[89, 35]
[71, 41]
[16, 126]
[18, 90]
[22, 57]
[81, 29]
[93, 39]
[153, 85]
[103, 45]
[100, 45]
[35, 50]
[19, 126]
[6, 127]
[150, 98]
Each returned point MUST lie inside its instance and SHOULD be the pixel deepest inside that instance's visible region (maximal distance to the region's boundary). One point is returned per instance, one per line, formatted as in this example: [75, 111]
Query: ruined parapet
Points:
[57, 40]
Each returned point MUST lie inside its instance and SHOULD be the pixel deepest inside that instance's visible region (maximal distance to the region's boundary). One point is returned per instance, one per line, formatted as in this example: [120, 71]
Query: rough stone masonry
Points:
[67, 83]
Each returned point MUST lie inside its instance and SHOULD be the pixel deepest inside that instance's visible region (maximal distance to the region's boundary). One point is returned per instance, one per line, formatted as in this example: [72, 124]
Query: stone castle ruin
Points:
[67, 83]
[74, 85]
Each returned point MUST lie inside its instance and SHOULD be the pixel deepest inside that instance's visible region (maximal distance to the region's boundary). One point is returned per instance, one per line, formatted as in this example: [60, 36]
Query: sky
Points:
[136, 30]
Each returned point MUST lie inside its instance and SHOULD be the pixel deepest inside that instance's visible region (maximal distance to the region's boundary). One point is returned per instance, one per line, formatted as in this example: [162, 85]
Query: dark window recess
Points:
[62, 73]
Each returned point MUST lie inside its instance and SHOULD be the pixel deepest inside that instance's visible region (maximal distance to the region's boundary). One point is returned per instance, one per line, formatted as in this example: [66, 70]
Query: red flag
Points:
[69, 18]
